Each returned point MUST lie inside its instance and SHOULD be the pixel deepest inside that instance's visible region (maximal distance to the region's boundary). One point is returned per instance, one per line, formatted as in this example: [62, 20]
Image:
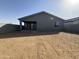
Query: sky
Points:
[11, 10]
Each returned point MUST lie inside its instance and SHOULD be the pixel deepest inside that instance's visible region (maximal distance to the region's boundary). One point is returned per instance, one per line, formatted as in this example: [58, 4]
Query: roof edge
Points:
[39, 13]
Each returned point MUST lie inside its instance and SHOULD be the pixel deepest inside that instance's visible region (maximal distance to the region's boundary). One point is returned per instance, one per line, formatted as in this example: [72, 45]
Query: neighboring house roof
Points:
[3, 24]
[43, 12]
[72, 20]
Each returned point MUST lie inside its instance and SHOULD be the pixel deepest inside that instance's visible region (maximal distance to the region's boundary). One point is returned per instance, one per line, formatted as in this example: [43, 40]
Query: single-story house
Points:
[72, 25]
[7, 28]
[41, 22]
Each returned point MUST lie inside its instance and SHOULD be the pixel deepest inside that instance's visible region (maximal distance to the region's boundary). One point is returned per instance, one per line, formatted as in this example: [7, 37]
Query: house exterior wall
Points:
[45, 22]
[72, 26]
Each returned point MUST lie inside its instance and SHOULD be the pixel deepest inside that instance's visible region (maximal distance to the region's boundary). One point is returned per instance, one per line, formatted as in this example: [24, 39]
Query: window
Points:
[51, 18]
[57, 24]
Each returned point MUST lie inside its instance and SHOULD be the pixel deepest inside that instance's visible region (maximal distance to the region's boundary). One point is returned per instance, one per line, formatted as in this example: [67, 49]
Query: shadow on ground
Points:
[24, 34]
[77, 33]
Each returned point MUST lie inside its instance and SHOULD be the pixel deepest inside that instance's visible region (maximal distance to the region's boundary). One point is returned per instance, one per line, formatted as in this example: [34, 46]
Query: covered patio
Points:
[28, 26]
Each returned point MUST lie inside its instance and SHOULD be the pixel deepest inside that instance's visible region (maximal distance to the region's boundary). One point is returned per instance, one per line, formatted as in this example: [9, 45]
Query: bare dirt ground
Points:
[54, 46]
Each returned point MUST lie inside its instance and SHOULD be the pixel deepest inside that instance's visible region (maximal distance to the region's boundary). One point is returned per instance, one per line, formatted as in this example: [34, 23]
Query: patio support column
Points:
[20, 25]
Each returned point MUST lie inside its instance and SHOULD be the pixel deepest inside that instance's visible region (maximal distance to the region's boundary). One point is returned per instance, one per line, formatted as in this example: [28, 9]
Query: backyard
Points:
[52, 46]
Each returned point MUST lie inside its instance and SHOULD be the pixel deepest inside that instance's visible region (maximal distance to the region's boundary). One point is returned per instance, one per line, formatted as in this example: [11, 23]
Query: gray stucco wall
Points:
[7, 28]
[45, 22]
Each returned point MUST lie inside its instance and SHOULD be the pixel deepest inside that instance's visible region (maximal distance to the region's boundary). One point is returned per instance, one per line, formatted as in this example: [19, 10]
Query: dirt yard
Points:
[54, 46]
